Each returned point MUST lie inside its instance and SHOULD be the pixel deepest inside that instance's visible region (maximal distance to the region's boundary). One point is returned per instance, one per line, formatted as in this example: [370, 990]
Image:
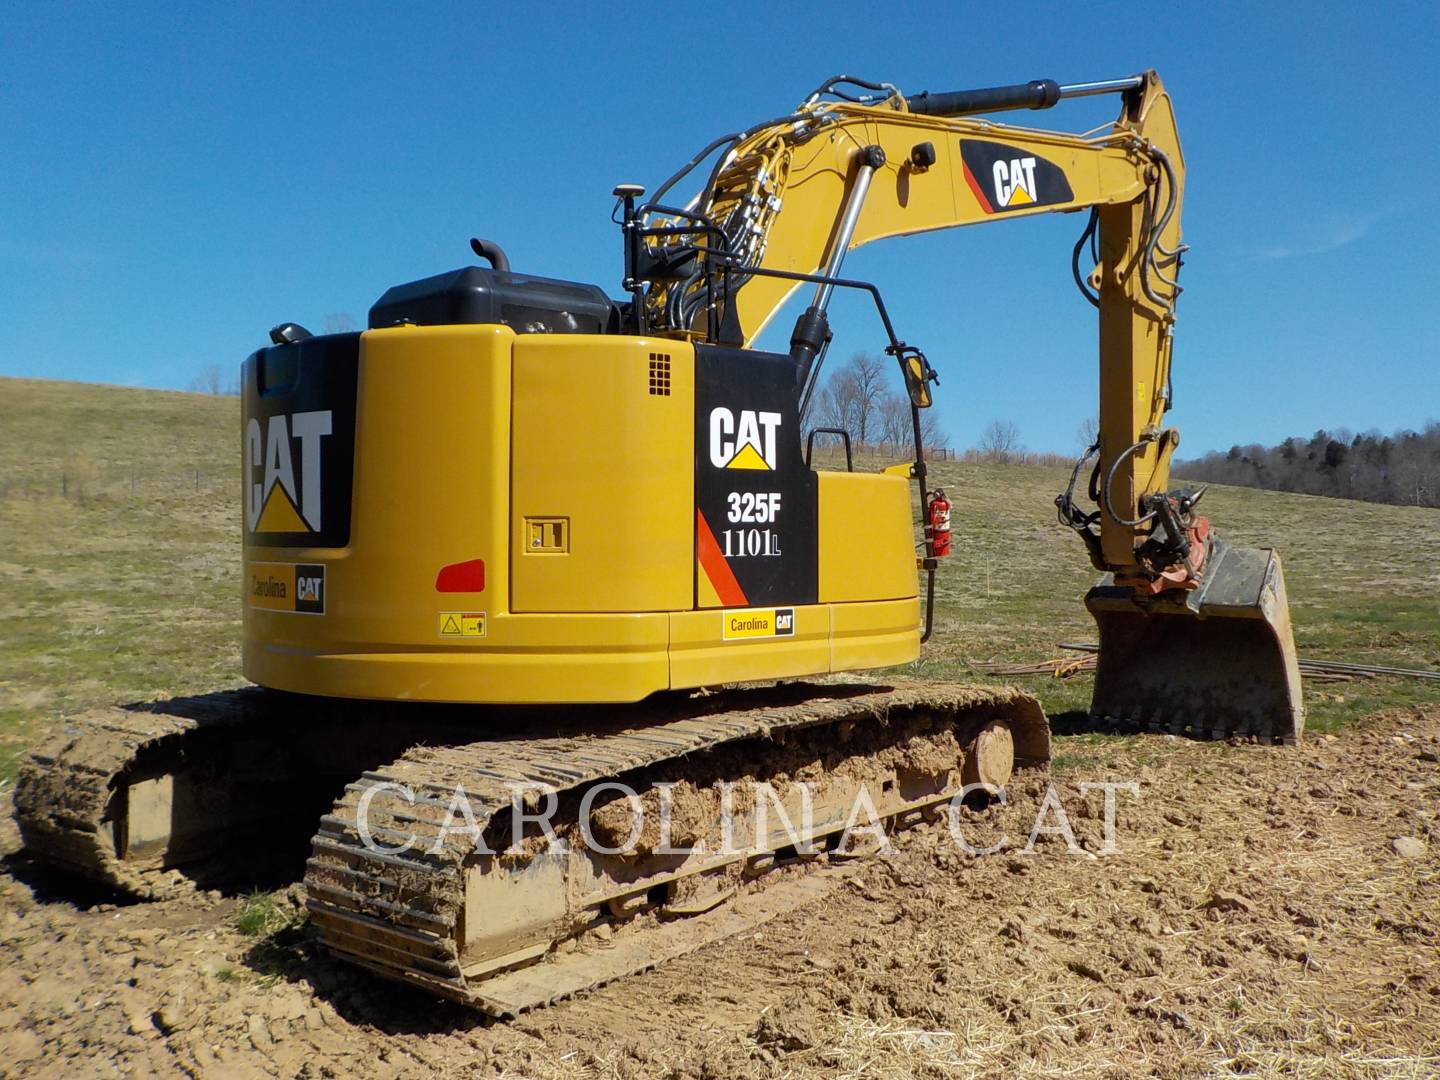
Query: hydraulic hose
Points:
[1105, 500]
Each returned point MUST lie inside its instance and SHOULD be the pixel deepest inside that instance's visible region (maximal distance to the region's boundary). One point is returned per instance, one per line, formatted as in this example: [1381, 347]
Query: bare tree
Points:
[895, 425]
[931, 430]
[828, 408]
[861, 398]
[338, 322]
[1087, 433]
[211, 380]
[1000, 441]
[859, 386]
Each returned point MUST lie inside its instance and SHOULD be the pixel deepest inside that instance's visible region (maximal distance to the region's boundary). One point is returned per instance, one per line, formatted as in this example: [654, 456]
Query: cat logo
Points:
[298, 587]
[310, 588]
[274, 502]
[1014, 181]
[1009, 178]
[744, 443]
[752, 624]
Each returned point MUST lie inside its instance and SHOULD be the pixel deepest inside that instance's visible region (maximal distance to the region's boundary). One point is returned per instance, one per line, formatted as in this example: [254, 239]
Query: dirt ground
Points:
[1269, 912]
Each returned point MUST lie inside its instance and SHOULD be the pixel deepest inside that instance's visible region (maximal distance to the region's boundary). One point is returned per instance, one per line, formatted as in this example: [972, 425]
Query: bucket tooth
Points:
[1222, 662]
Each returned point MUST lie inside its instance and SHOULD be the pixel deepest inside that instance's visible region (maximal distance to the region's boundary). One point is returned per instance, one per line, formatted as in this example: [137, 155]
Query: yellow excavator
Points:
[518, 544]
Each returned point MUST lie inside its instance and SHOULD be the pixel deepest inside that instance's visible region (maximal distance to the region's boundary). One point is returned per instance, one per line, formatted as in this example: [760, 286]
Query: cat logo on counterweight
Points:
[280, 498]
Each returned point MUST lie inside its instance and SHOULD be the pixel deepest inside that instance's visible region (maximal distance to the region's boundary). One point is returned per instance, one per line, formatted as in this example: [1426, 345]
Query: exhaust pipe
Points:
[491, 251]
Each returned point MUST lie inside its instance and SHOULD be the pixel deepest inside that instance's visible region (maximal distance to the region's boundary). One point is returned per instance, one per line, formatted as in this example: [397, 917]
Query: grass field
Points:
[120, 559]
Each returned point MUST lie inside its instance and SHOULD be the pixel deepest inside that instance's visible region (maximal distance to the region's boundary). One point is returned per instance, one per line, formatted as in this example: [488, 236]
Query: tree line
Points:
[1403, 467]
[865, 397]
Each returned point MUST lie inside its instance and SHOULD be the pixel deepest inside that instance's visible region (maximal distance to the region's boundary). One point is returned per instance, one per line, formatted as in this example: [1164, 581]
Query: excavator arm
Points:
[787, 199]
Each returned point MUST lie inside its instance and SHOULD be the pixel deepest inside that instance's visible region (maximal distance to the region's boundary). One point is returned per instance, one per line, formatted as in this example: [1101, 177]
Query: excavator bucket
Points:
[1222, 663]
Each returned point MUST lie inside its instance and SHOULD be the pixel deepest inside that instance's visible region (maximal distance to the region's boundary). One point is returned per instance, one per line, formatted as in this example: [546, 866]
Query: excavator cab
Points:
[1218, 663]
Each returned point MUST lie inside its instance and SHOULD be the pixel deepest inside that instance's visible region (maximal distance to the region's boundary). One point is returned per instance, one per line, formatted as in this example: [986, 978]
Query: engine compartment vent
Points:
[660, 374]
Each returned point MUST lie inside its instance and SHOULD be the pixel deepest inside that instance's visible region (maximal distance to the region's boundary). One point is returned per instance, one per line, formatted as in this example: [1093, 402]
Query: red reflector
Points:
[461, 577]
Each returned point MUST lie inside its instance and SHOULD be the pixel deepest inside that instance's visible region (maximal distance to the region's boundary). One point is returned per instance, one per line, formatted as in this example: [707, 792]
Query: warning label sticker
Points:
[758, 623]
[462, 624]
[298, 587]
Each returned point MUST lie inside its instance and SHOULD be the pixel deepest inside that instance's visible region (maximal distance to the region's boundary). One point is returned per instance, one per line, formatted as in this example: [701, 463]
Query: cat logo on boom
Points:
[1014, 181]
[280, 498]
[1011, 178]
[744, 442]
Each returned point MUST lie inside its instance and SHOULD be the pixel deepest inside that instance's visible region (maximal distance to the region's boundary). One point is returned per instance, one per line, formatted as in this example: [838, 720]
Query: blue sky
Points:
[175, 179]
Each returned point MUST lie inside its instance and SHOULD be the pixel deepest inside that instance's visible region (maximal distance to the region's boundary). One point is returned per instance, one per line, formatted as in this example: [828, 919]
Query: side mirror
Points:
[918, 376]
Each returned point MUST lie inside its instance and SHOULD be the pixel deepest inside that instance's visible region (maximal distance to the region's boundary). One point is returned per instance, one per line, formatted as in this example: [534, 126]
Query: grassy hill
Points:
[120, 563]
[119, 549]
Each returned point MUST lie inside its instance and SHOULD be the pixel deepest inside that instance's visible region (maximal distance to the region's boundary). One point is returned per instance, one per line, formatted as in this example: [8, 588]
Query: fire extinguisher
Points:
[939, 517]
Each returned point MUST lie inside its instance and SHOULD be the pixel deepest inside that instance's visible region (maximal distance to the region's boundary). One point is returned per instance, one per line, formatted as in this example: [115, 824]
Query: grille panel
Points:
[660, 374]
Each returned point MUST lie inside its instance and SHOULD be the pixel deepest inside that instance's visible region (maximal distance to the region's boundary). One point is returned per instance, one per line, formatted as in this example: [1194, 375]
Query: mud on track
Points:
[1257, 920]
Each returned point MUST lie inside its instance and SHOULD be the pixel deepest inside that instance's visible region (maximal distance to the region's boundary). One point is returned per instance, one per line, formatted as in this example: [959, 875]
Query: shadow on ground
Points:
[294, 954]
